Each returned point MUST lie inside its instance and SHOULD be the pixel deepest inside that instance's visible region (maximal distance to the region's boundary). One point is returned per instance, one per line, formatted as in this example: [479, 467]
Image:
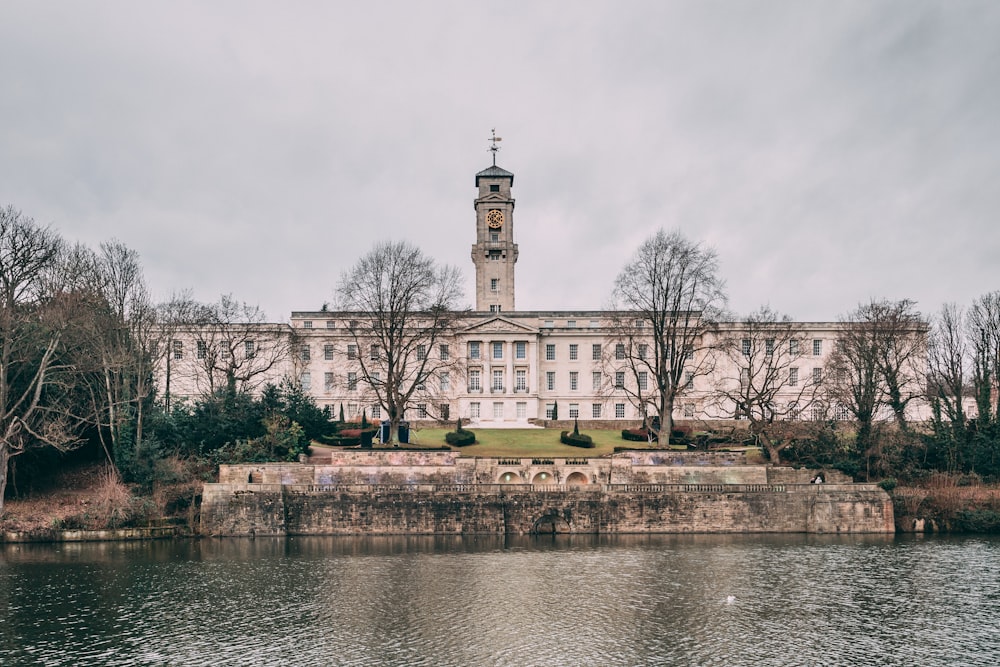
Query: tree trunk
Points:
[4, 460]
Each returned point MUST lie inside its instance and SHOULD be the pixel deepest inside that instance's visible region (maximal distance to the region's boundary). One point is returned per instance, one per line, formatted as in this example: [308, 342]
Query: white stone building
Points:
[501, 366]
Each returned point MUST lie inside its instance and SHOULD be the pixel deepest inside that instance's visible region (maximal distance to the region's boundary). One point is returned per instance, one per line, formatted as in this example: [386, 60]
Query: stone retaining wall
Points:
[282, 509]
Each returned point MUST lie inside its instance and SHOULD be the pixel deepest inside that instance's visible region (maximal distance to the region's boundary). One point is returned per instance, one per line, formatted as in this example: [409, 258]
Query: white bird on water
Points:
[730, 599]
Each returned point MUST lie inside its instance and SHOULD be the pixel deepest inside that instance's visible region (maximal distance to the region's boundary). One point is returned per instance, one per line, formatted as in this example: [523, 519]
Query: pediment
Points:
[498, 324]
[494, 197]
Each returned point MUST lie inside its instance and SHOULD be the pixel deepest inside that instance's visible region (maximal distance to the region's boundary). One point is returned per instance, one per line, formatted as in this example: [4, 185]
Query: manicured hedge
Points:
[636, 435]
[576, 439]
[460, 438]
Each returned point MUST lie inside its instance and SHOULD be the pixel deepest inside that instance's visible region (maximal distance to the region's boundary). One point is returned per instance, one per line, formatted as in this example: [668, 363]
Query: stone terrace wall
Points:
[241, 509]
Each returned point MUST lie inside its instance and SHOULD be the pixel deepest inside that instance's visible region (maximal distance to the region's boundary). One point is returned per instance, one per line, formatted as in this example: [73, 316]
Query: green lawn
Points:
[525, 442]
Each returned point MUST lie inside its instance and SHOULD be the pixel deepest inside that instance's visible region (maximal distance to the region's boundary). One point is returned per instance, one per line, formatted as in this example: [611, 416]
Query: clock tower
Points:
[494, 253]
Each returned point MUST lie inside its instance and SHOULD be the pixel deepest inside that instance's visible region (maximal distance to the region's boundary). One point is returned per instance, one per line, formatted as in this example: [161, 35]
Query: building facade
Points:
[504, 367]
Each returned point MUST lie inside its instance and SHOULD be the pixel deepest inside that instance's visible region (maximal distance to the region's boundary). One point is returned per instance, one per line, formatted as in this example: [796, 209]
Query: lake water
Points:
[564, 600]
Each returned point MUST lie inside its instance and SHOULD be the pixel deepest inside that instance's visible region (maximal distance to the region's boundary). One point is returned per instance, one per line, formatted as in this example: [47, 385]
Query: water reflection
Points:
[554, 600]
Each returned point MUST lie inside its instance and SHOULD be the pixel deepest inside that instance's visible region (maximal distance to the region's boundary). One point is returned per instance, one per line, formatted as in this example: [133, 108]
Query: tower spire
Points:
[493, 145]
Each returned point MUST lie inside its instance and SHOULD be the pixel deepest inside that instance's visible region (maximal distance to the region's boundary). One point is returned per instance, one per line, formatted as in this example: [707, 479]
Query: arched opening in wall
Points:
[551, 524]
[543, 478]
[576, 479]
[510, 477]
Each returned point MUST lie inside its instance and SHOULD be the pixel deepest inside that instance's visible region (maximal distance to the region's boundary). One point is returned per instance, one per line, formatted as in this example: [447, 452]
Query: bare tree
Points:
[173, 317]
[234, 348]
[666, 299]
[984, 338]
[35, 311]
[878, 365]
[763, 382]
[402, 310]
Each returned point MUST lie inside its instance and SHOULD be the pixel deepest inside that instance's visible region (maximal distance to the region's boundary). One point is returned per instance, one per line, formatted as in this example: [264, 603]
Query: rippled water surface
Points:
[663, 600]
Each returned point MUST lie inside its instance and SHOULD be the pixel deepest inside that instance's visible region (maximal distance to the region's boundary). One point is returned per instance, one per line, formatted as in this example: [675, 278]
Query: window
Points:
[522, 410]
[817, 375]
[594, 324]
[445, 381]
[376, 411]
[643, 349]
[550, 352]
[328, 351]
[352, 381]
[643, 380]
[495, 282]
[421, 411]
[688, 352]
[375, 379]
[249, 349]
[793, 347]
[304, 354]
[329, 324]
[595, 352]
[495, 238]
[520, 380]
[619, 411]
[352, 410]
[421, 382]
[307, 324]
[497, 379]
[619, 351]
[817, 347]
[571, 324]
[444, 411]
[550, 380]
[498, 410]
[497, 350]
[375, 353]
[619, 379]
[574, 380]
[520, 350]
[443, 352]
[421, 352]
[596, 380]
[305, 380]
[595, 410]
[327, 381]
[574, 410]
[574, 352]
[200, 349]
[842, 413]
[178, 349]
[688, 380]
[769, 346]
[549, 409]
[494, 308]
[494, 187]
[793, 377]
[352, 324]
[548, 324]
[688, 410]
[352, 352]
[474, 384]
[638, 324]
[745, 344]
[474, 410]
[793, 410]
[474, 350]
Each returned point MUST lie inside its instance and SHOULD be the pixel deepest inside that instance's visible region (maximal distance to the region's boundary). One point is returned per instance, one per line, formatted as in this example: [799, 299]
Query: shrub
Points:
[888, 483]
[460, 438]
[367, 435]
[576, 439]
[637, 435]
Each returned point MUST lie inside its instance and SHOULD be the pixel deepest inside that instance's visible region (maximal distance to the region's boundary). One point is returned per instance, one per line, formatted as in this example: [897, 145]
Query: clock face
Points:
[495, 219]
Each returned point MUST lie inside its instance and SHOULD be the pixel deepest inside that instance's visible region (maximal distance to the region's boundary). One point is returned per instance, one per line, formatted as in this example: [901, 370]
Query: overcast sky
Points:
[830, 152]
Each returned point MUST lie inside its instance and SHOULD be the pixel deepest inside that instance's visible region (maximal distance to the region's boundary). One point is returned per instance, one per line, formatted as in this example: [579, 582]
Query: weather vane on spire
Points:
[493, 145]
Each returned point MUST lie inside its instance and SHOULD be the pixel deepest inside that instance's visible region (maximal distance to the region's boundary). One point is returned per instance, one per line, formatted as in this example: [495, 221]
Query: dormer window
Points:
[494, 187]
